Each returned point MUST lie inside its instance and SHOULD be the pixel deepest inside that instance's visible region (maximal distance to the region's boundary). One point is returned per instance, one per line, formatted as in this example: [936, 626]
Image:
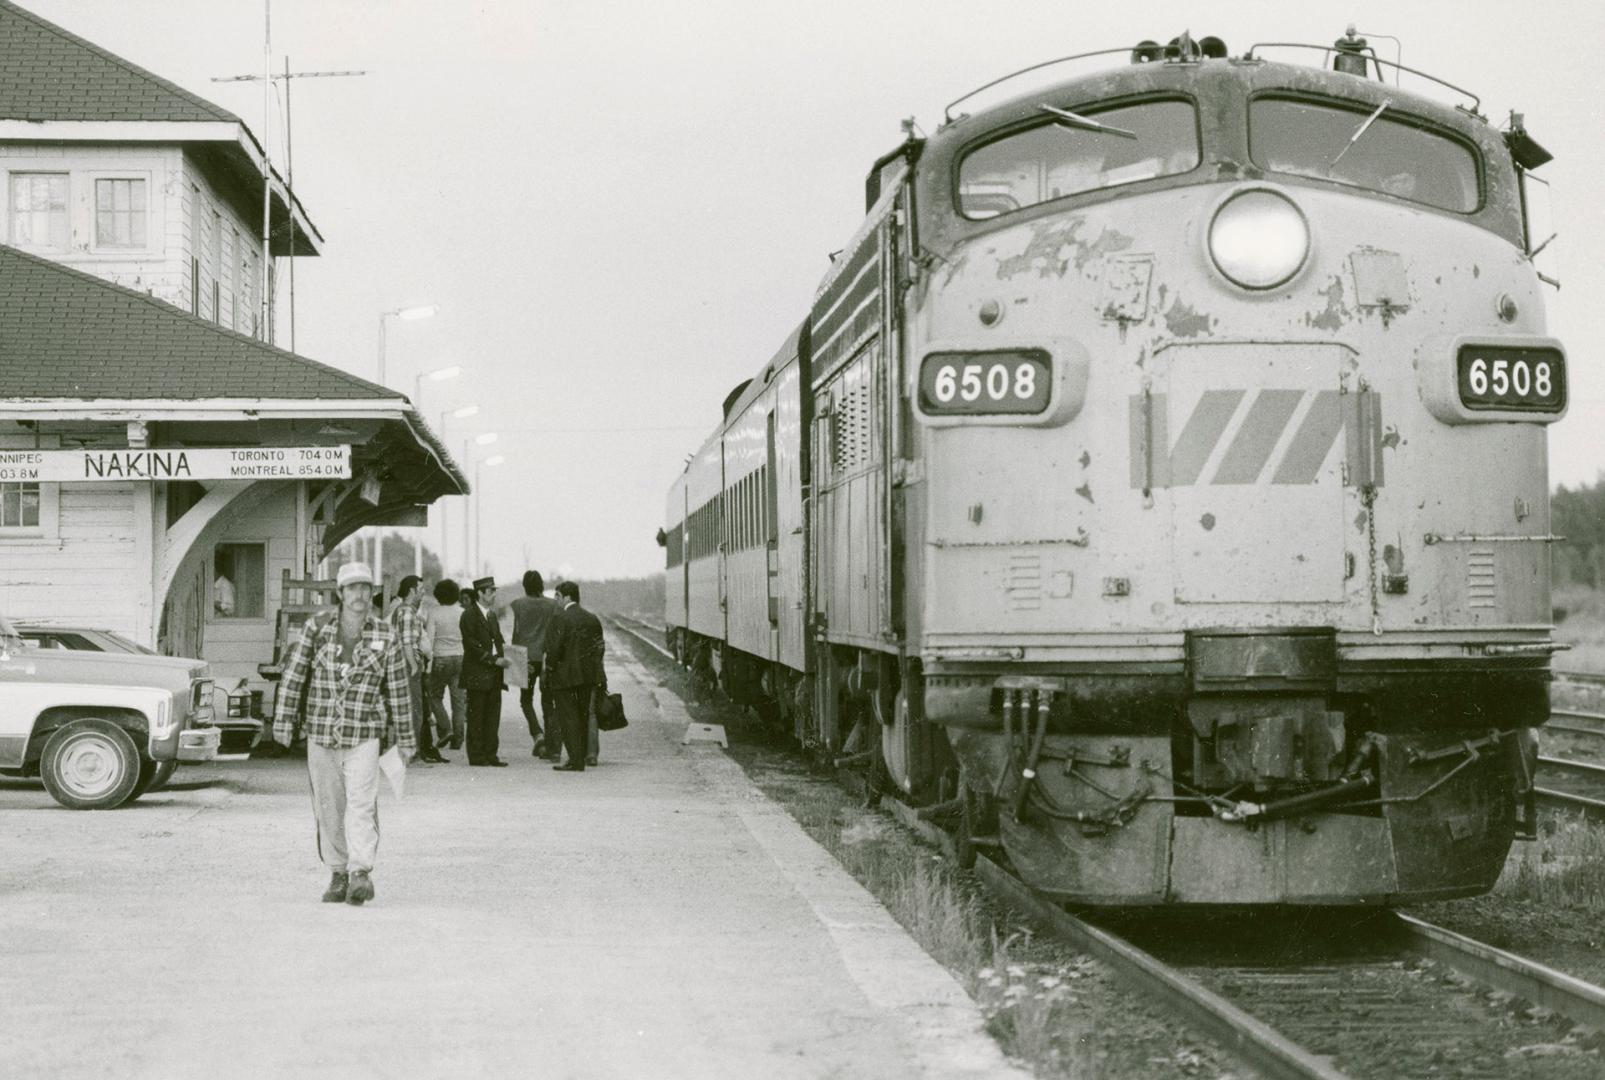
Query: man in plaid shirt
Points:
[346, 681]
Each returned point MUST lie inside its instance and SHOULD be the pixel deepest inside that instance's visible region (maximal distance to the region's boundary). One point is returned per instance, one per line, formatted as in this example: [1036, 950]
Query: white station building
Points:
[161, 476]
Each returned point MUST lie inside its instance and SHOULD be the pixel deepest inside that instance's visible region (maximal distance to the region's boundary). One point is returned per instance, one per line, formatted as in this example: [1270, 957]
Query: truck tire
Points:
[90, 765]
[153, 775]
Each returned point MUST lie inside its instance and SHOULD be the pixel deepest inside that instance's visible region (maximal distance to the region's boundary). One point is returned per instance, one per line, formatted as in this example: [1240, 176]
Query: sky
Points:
[621, 208]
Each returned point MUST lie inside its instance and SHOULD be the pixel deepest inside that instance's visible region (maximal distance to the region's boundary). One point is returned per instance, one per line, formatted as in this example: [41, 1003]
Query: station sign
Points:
[176, 463]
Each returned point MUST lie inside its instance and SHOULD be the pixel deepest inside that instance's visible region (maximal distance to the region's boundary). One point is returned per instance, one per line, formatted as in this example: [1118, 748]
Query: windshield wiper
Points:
[1076, 120]
[1361, 130]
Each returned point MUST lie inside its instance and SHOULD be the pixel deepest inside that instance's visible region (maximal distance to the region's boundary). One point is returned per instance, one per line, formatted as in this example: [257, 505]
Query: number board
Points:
[969, 384]
[1529, 379]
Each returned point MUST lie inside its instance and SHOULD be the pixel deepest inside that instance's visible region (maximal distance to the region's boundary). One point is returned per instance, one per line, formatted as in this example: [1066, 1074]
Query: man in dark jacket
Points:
[574, 665]
[483, 661]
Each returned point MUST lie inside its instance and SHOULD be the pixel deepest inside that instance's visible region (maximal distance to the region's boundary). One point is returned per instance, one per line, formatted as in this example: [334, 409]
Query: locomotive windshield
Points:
[1078, 152]
[1372, 149]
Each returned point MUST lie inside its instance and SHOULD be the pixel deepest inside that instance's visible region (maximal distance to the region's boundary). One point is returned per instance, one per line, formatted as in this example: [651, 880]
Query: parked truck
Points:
[100, 729]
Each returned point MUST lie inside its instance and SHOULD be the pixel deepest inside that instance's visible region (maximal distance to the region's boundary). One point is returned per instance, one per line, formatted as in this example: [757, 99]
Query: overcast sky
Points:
[621, 208]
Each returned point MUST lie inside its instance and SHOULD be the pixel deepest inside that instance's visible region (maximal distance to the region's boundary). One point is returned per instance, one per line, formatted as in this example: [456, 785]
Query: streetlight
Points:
[438, 375]
[482, 439]
[489, 463]
[408, 314]
[461, 412]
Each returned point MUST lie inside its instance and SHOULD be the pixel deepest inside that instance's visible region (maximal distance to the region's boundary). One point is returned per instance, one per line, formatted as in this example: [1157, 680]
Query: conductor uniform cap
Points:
[484, 585]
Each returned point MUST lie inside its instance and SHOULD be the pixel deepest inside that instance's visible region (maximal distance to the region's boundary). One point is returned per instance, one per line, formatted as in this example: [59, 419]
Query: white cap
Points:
[352, 572]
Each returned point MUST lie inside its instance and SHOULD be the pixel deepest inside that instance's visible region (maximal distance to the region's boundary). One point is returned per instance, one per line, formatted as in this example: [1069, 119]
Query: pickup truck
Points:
[100, 729]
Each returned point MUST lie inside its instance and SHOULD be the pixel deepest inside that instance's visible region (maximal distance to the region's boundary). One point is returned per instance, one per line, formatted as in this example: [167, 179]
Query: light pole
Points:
[489, 463]
[462, 412]
[406, 315]
[483, 439]
[438, 375]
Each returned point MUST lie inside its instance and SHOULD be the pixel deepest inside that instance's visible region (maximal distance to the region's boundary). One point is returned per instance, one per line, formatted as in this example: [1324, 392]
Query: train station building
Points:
[161, 476]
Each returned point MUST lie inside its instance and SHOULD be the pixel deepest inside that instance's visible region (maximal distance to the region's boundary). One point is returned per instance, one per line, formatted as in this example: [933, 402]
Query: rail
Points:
[618, 622]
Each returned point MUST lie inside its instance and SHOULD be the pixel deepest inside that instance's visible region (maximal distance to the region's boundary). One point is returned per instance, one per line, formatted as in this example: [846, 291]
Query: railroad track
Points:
[1299, 1019]
[1294, 1019]
[639, 632]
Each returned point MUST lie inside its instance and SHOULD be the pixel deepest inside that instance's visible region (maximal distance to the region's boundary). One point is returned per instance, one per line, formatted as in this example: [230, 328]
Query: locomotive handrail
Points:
[1476, 102]
[947, 113]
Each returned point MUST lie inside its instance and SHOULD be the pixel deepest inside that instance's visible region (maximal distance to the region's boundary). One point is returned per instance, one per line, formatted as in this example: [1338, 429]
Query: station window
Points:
[39, 211]
[19, 506]
[120, 213]
[239, 581]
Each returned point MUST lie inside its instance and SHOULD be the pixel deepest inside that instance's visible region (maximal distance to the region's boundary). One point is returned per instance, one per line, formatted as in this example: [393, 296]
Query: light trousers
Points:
[345, 802]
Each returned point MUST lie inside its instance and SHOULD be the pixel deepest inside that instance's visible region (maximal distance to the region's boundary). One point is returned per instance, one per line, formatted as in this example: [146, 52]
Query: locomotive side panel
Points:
[849, 526]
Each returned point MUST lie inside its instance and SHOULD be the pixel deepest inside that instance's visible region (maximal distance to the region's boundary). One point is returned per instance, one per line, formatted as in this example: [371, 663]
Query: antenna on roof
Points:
[267, 79]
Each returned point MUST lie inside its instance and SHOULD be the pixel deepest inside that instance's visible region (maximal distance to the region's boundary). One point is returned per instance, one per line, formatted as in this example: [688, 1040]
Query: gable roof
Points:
[69, 335]
[47, 73]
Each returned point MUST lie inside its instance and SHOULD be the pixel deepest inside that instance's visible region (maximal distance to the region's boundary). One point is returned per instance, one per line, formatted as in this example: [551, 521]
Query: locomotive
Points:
[1156, 489]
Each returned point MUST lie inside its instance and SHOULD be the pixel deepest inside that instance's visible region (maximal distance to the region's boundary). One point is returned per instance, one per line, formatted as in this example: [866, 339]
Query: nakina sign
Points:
[209, 463]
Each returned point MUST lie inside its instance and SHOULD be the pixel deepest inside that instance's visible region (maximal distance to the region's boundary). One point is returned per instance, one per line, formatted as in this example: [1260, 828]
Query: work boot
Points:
[336, 891]
[361, 890]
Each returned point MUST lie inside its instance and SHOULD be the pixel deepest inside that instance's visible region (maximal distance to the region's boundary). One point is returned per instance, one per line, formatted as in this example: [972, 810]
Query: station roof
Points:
[74, 346]
[57, 86]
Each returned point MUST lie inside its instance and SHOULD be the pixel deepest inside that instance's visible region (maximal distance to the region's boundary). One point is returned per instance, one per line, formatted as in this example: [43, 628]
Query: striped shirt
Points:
[409, 628]
[345, 705]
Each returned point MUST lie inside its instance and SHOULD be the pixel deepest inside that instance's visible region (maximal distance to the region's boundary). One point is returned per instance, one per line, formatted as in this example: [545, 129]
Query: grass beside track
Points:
[1566, 867]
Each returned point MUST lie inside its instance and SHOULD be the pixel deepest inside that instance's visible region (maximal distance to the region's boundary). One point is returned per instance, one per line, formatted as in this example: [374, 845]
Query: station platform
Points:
[657, 916]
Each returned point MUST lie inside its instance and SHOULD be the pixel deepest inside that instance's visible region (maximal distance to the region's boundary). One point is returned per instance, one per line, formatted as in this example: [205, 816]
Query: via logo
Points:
[1269, 437]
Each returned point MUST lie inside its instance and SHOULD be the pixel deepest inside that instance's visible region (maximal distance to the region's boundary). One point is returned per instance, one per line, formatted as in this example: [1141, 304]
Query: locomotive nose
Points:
[1258, 238]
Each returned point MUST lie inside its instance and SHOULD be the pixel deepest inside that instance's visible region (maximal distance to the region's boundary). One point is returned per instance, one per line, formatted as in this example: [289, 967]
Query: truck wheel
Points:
[90, 765]
[152, 776]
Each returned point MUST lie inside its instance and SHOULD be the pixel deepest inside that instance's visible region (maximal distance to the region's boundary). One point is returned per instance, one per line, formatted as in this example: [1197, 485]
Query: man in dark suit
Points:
[574, 665]
[483, 661]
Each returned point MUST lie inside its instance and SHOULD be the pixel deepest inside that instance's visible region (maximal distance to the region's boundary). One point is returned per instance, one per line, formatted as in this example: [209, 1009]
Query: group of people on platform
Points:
[356, 683]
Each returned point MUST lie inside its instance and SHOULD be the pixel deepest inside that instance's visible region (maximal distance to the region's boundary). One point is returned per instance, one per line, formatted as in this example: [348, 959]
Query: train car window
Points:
[1051, 160]
[1393, 154]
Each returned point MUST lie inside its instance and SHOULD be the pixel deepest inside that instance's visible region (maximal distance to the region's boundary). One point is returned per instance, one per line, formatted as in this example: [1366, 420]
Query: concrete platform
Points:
[655, 917]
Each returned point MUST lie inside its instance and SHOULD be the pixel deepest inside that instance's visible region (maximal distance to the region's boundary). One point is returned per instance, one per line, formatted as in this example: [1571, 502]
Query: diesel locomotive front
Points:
[1174, 448]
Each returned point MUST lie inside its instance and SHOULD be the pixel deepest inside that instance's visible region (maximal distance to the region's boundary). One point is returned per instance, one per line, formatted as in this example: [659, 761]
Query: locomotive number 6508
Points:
[955, 383]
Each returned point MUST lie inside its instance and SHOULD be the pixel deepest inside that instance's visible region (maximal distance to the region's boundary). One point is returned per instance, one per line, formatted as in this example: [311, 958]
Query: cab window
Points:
[1353, 144]
[1062, 157]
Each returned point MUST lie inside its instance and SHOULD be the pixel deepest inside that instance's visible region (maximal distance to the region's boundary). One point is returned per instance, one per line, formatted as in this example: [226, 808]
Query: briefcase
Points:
[610, 712]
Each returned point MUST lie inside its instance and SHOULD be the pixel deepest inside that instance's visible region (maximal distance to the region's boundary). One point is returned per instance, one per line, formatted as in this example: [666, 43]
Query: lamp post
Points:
[409, 314]
[406, 315]
[462, 412]
[489, 463]
[438, 375]
[482, 439]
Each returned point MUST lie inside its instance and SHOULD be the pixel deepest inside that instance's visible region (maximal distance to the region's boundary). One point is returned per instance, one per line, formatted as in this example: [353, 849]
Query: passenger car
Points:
[239, 732]
[100, 729]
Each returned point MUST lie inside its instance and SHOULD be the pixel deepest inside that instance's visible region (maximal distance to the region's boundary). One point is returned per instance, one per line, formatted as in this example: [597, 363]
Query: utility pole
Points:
[267, 79]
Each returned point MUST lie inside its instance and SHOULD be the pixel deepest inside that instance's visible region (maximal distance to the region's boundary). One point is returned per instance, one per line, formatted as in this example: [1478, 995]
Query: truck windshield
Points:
[1392, 154]
[1066, 156]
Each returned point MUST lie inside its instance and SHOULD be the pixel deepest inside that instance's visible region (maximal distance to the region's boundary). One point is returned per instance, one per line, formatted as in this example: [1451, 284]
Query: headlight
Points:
[1259, 239]
[200, 702]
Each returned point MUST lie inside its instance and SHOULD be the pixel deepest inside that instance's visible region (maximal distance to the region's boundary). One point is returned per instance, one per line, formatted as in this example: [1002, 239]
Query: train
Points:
[1155, 491]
